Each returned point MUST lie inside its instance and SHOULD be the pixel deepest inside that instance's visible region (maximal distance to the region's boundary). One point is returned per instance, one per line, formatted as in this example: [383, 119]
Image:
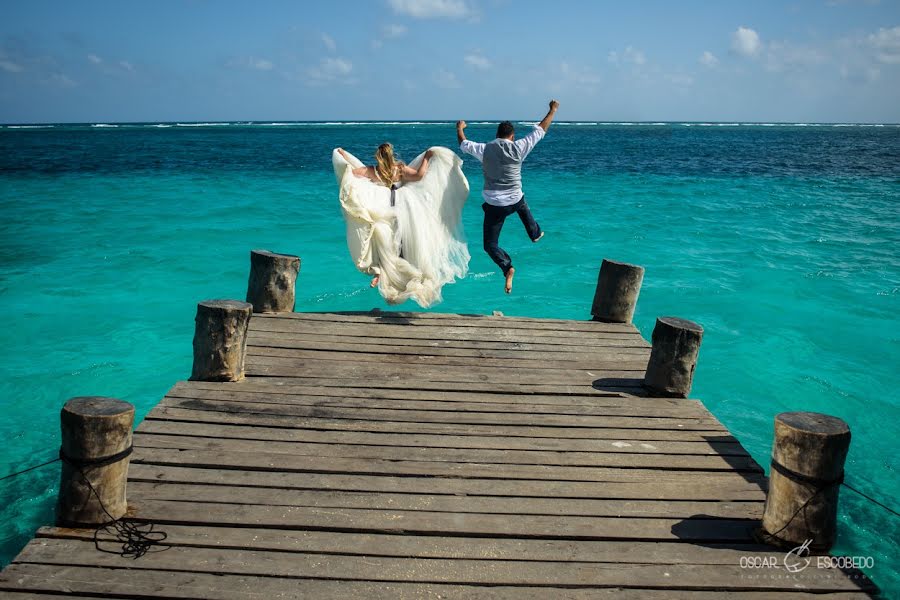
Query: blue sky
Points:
[169, 60]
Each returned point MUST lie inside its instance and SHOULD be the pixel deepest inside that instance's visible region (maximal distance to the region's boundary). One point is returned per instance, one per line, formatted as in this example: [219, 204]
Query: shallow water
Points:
[782, 241]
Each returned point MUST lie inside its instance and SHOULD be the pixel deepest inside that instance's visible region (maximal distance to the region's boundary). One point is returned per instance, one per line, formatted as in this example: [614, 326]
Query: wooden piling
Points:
[673, 358]
[618, 286]
[273, 278]
[807, 468]
[96, 445]
[220, 340]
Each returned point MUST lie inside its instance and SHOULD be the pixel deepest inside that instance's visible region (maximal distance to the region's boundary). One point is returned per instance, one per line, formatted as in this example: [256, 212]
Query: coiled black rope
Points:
[136, 539]
[820, 485]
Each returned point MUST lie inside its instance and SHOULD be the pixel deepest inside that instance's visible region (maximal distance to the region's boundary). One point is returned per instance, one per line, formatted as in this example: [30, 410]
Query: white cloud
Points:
[432, 9]
[249, 62]
[708, 59]
[478, 61]
[745, 42]
[61, 80]
[94, 59]
[331, 70]
[446, 79]
[126, 65]
[329, 42]
[629, 55]
[680, 79]
[393, 31]
[886, 43]
[783, 56]
[10, 67]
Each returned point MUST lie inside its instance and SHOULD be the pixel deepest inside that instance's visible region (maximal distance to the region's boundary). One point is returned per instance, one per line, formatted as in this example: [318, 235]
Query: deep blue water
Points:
[783, 241]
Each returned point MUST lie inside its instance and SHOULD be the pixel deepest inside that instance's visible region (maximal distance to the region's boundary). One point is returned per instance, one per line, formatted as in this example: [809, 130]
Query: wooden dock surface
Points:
[402, 455]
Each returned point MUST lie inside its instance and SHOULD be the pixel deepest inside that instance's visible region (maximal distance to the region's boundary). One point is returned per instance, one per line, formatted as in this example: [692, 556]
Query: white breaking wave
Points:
[29, 126]
[99, 125]
[202, 124]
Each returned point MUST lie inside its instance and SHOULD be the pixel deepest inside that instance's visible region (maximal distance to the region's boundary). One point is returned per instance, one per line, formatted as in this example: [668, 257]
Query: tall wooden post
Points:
[96, 445]
[676, 345]
[273, 278]
[807, 468]
[220, 340]
[618, 286]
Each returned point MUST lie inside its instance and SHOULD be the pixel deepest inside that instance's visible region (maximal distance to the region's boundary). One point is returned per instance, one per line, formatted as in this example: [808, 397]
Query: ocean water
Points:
[782, 240]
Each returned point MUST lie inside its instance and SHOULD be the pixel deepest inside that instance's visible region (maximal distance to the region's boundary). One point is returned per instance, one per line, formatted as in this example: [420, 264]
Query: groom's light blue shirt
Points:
[502, 166]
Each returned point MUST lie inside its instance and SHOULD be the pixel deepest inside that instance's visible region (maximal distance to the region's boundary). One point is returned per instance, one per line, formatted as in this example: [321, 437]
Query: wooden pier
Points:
[402, 455]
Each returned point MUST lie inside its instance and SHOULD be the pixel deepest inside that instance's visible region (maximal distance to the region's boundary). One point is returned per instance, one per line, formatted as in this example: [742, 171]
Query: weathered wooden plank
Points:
[272, 461]
[426, 546]
[179, 585]
[520, 573]
[591, 399]
[711, 462]
[681, 509]
[422, 344]
[622, 388]
[444, 319]
[256, 419]
[342, 344]
[289, 367]
[727, 446]
[709, 486]
[289, 411]
[585, 339]
[609, 408]
[534, 361]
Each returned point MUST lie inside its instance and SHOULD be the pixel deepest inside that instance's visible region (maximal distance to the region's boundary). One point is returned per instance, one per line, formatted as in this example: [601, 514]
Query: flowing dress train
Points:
[416, 246]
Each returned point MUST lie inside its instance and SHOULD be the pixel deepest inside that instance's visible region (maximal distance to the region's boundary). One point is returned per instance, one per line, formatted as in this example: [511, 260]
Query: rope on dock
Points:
[136, 539]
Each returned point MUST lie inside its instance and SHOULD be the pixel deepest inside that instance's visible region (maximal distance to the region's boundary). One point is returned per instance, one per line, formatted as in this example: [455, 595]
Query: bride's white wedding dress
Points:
[417, 246]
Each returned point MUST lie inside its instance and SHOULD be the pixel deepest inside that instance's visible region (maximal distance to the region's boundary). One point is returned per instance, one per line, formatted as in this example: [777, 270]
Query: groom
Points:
[501, 161]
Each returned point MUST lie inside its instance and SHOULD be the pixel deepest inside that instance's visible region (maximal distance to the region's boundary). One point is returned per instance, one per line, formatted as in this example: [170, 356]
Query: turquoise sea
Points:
[782, 240]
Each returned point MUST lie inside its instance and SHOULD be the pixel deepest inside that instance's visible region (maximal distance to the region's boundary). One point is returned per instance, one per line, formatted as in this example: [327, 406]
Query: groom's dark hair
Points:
[505, 129]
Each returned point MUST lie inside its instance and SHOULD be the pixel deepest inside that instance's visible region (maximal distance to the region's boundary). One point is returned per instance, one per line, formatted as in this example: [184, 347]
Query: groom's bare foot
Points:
[375, 281]
[509, 277]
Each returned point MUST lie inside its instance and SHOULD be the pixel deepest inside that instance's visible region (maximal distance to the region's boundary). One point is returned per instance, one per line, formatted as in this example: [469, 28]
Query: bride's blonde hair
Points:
[387, 165]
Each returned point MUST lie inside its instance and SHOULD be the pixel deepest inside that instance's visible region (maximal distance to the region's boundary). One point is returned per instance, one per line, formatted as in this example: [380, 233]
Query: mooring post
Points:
[273, 278]
[95, 450]
[807, 469]
[676, 345]
[220, 340]
[618, 286]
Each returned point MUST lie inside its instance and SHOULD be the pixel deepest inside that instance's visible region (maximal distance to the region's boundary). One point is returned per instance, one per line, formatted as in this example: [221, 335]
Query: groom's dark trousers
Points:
[494, 216]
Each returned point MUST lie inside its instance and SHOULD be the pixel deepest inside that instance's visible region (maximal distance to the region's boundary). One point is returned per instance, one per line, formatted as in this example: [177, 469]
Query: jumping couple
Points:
[404, 221]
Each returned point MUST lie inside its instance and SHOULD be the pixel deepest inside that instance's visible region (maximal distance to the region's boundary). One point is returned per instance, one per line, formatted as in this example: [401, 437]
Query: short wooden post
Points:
[220, 340]
[807, 468]
[618, 286]
[273, 278]
[96, 445]
[676, 345]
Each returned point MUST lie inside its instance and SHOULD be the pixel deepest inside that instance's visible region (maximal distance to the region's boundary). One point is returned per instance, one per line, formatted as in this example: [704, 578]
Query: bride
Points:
[403, 221]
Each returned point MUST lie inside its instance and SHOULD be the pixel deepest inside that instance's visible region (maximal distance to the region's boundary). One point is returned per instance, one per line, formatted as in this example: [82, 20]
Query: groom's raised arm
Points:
[465, 146]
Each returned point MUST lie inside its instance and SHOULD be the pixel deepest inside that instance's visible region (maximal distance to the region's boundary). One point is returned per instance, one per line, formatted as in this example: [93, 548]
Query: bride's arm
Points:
[410, 174]
[359, 171]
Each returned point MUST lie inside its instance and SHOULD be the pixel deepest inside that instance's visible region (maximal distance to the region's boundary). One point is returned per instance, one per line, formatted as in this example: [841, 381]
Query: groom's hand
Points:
[460, 124]
[554, 105]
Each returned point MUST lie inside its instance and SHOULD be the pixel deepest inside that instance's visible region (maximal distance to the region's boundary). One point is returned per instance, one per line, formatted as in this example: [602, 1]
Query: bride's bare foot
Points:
[375, 281]
[509, 278]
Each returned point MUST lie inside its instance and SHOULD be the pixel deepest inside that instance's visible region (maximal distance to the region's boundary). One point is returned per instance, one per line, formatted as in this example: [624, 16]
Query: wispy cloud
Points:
[250, 62]
[329, 42]
[478, 61]
[10, 66]
[433, 9]
[745, 42]
[393, 30]
[331, 70]
[628, 56]
[446, 79]
[708, 59]
[886, 43]
[93, 58]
